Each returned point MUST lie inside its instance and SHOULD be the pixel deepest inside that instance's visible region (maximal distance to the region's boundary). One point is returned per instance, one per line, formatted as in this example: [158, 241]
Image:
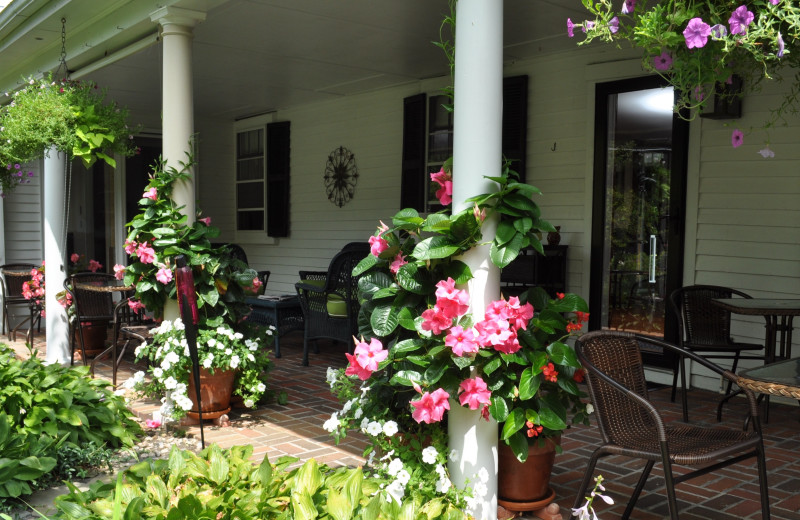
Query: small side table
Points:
[282, 312]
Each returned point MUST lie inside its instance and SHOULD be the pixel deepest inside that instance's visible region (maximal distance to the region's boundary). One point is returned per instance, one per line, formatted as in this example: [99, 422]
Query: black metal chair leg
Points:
[587, 478]
[638, 490]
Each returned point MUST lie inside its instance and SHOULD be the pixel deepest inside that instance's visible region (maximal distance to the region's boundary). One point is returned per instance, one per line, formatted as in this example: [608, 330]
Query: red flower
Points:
[560, 295]
[534, 431]
[550, 373]
[579, 376]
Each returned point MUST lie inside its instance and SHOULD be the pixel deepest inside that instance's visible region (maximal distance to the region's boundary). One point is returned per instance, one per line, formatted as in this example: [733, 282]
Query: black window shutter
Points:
[515, 122]
[412, 182]
[278, 148]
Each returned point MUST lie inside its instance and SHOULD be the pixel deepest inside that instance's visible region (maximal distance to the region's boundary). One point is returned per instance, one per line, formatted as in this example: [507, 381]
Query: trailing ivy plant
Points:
[73, 116]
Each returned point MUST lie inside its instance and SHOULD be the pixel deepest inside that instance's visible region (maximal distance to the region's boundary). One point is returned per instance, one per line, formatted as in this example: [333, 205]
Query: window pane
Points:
[250, 220]
[250, 143]
[250, 195]
[250, 169]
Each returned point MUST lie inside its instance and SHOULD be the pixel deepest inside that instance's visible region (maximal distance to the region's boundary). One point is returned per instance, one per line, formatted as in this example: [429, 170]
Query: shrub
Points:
[49, 414]
[221, 483]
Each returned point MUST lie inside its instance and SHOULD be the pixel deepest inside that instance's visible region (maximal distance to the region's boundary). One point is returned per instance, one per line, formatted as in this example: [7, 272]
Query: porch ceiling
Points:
[253, 56]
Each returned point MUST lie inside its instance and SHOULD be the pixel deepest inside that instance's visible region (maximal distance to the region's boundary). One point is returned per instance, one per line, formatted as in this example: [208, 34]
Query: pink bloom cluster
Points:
[93, 266]
[445, 182]
[365, 358]
[34, 289]
[431, 406]
[146, 254]
[378, 244]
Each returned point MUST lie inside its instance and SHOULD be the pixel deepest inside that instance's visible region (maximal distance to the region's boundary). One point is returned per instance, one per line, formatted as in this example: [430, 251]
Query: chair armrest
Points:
[305, 287]
[313, 275]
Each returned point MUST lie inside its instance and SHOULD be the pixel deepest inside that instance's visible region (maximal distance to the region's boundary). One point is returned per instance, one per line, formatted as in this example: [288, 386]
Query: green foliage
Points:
[50, 418]
[70, 115]
[768, 48]
[221, 483]
[161, 228]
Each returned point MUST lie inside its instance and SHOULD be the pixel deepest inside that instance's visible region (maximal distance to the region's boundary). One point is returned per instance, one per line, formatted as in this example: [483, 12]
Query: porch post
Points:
[177, 98]
[477, 151]
[54, 275]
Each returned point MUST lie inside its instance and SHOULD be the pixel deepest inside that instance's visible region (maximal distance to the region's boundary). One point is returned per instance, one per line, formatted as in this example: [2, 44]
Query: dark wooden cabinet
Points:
[530, 269]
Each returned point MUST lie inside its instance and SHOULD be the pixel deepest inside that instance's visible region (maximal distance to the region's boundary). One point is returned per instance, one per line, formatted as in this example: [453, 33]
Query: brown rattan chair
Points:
[94, 305]
[128, 326]
[631, 426]
[705, 328]
[329, 299]
[12, 276]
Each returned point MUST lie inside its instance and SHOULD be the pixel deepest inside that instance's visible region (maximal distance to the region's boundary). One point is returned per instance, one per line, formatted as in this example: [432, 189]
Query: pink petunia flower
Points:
[151, 194]
[147, 255]
[737, 138]
[474, 393]
[119, 271]
[398, 262]
[461, 341]
[696, 33]
[430, 407]
[164, 275]
[740, 19]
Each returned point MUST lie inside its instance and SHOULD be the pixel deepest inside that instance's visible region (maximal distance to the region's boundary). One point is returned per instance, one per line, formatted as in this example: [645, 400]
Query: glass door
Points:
[638, 207]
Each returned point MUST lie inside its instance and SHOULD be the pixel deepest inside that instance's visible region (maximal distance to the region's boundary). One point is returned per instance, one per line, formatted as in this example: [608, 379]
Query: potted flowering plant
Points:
[423, 353]
[221, 350]
[71, 115]
[700, 44]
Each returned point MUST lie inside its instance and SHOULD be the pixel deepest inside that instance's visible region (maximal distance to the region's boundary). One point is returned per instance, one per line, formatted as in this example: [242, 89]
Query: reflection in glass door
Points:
[636, 240]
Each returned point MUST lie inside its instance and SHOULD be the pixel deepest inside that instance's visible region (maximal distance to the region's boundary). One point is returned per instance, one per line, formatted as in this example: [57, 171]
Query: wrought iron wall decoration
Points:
[341, 176]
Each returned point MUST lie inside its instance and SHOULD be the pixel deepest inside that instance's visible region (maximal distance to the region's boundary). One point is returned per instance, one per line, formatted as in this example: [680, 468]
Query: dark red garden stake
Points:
[187, 303]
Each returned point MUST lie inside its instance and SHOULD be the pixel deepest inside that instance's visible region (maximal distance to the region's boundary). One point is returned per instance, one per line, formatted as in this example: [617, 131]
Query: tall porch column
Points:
[54, 254]
[477, 151]
[177, 97]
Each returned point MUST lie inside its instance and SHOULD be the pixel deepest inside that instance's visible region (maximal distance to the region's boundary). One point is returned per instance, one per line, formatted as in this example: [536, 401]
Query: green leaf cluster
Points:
[72, 116]
[225, 484]
[44, 409]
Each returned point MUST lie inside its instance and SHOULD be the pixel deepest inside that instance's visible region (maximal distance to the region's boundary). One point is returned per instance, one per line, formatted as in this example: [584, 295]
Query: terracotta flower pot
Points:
[524, 486]
[94, 337]
[215, 393]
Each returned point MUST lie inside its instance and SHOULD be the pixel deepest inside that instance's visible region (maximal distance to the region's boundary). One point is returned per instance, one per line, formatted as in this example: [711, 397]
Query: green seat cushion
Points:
[337, 306]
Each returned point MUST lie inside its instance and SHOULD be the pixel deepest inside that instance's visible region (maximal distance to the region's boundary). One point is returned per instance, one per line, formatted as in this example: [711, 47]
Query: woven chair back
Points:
[703, 324]
[618, 356]
[14, 276]
[93, 304]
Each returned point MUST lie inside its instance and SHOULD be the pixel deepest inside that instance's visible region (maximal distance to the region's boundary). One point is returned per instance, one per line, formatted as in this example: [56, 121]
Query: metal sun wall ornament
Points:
[341, 176]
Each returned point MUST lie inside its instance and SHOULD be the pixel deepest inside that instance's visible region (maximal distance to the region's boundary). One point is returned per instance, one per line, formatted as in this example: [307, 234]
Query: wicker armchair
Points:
[12, 276]
[329, 299]
[93, 307]
[128, 326]
[631, 426]
[706, 329]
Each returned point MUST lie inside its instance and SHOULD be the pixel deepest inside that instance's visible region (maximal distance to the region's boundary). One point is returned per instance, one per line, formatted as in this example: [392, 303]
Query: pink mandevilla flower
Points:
[398, 262]
[164, 275]
[206, 221]
[130, 247]
[435, 320]
[445, 181]
[430, 407]
[151, 194]
[452, 302]
[474, 393]
[365, 358]
[696, 33]
[94, 266]
[740, 19]
[378, 244]
[147, 255]
[462, 341]
[135, 305]
[119, 271]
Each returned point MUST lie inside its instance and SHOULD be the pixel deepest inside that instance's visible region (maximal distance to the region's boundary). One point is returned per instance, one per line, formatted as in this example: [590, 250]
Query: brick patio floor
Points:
[732, 493]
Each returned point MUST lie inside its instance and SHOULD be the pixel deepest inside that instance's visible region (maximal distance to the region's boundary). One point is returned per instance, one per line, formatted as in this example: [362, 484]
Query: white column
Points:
[177, 97]
[55, 270]
[477, 151]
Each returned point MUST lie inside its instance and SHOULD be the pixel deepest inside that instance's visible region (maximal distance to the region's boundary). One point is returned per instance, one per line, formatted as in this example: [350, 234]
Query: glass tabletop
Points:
[785, 372]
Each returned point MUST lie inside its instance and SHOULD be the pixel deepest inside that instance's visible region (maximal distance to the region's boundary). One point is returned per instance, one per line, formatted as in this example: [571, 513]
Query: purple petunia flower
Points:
[781, 45]
[588, 25]
[696, 33]
[613, 25]
[774, 2]
[719, 32]
[570, 28]
[740, 19]
[737, 138]
[663, 61]
[628, 6]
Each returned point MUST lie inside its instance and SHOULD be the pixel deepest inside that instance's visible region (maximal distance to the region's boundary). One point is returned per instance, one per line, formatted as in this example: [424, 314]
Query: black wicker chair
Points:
[631, 426]
[705, 328]
[329, 299]
[128, 326]
[93, 307]
[12, 276]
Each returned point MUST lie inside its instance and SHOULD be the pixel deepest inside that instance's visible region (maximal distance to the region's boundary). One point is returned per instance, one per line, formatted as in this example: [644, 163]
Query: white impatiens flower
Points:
[374, 428]
[440, 471]
[589, 409]
[394, 467]
[260, 387]
[228, 351]
[389, 428]
[364, 424]
[429, 455]
[331, 424]
[396, 490]
[158, 372]
[249, 403]
[170, 383]
[331, 375]
[139, 349]
[403, 476]
[443, 485]
[251, 358]
[235, 361]
[453, 455]
[358, 413]
[208, 360]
